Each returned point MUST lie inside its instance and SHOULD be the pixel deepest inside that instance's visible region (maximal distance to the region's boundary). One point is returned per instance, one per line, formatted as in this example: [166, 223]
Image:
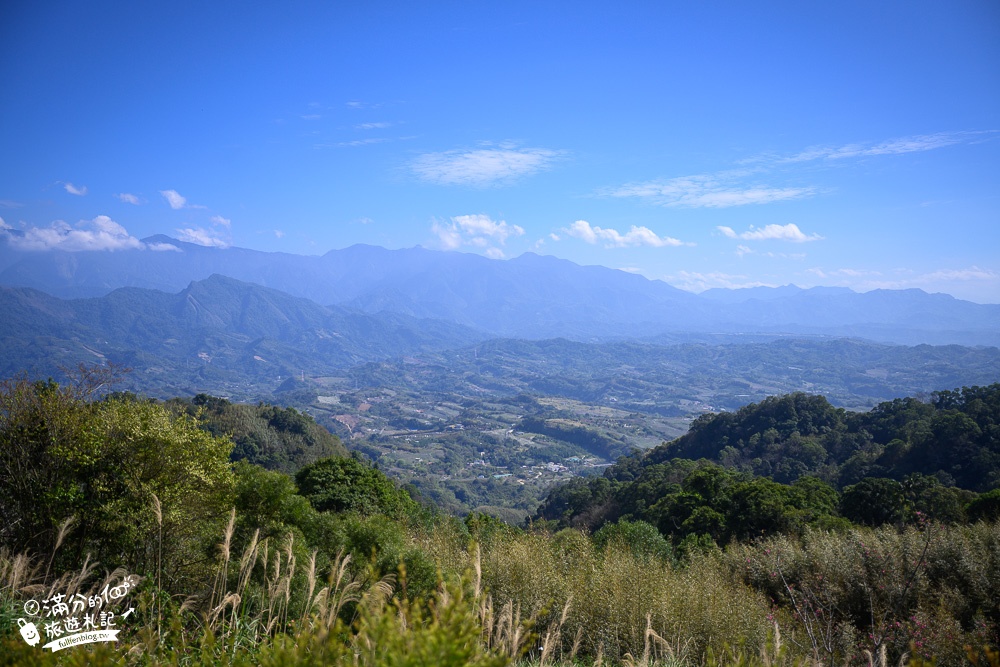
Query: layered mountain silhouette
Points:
[531, 296]
[218, 328]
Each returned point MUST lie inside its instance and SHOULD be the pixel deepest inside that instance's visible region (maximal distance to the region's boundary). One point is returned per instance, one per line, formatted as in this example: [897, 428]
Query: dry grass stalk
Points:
[247, 561]
[218, 614]
[478, 569]
[341, 591]
[158, 513]
[311, 580]
[287, 586]
[60, 536]
[273, 590]
[219, 585]
[576, 644]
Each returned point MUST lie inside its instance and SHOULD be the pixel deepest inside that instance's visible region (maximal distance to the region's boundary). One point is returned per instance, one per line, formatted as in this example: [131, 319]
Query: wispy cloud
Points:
[177, 201]
[205, 237]
[279, 234]
[101, 233]
[720, 190]
[699, 282]
[980, 284]
[789, 232]
[372, 126]
[10, 203]
[612, 238]
[971, 273]
[482, 167]
[899, 146]
[358, 142]
[476, 231]
[162, 247]
[174, 198]
[128, 198]
[843, 273]
[222, 222]
[752, 183]
[358, 104]
[79, 191]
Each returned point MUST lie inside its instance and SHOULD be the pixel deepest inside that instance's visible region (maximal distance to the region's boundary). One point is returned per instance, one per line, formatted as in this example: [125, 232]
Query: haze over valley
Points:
[500, 333]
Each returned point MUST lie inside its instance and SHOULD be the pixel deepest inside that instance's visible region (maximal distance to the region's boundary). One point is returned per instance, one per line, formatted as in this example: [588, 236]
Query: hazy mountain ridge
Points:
[219, 329]
[531, 296]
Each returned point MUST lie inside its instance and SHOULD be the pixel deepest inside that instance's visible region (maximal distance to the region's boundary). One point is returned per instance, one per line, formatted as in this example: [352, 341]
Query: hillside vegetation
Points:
[795, 461]
[267, 435]
[241, 565]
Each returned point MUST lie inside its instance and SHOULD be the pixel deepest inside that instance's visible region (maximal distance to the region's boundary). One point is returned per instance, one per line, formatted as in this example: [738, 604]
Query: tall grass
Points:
[862, 597]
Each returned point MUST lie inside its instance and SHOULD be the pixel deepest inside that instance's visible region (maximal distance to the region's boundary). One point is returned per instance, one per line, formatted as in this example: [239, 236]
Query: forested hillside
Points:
[955, 436]
[794, 461]
[228, 562]
[267, 435]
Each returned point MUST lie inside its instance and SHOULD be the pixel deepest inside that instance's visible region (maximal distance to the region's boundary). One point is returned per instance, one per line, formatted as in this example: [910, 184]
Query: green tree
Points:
[348, 485]
[874, 501]
[103, 462]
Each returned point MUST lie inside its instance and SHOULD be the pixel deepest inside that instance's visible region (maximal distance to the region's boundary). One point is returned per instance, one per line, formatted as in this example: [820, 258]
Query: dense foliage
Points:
[795, 461]
[955, 437]
[242, 565]
[273, 437]
[86, 473]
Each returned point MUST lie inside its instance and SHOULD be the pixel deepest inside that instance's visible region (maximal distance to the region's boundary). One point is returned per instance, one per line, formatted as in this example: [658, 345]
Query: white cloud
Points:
[483, 225]
[789, 232]
[612, 238]
[311, 116]
[871, 279]
[128, 198]
[163, 247]
[743, 250]
[174, 198]
[219, 220]
[372, 126]
[279, 234]
[741, 187]
[448, 235]
[913, 144]
[74, 190]
[482, 167]
[4, 225]
[205, 237]
[359, 142]
[699, 282]
[10, 203]
[477, 231]
[974, 283]
[971, 273]
[101, 233]
[709, 191]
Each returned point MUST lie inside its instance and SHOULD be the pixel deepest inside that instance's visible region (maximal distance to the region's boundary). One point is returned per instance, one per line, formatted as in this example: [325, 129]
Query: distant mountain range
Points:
[218, 332]
[531, 296]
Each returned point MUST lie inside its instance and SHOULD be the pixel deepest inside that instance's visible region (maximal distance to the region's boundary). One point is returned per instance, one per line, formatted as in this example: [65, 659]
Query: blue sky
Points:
[706, 144]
